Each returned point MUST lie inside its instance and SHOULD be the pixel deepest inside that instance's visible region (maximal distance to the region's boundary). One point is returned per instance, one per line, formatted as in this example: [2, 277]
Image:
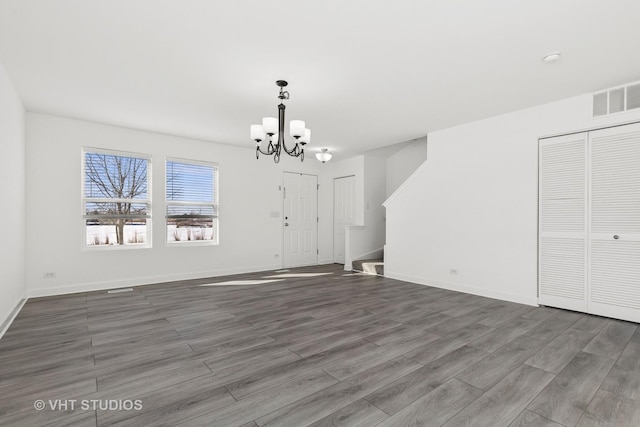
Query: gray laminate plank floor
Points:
[328, 350]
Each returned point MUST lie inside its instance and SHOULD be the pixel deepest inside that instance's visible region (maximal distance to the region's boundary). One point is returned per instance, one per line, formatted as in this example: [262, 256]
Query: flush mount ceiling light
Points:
[324, 156]
[551, 57]
[272, 130]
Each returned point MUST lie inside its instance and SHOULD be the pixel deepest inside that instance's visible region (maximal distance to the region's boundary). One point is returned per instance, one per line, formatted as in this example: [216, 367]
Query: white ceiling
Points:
[362, 73]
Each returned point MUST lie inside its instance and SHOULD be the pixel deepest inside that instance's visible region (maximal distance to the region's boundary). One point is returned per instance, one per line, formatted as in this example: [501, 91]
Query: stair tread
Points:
[369, 266]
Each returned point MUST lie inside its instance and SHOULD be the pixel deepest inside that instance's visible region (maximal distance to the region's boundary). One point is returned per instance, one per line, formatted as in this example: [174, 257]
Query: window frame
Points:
[215, 204]
[84, 200]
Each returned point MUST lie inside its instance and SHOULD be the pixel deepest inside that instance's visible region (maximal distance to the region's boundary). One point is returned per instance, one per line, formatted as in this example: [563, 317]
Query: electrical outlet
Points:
[49, 275]
[453, 271]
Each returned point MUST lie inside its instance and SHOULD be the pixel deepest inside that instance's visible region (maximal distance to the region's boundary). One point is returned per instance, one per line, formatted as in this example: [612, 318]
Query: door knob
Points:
[286, 224]
[615, 236]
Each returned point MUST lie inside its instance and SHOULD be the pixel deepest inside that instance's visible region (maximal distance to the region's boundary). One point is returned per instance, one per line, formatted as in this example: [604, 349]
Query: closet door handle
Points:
[615, 236]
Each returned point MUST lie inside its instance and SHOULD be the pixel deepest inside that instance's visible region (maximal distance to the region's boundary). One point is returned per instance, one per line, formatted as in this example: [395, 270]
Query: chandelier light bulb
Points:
[257, 133]
[296, 128]
[270, 125]
[306, 138]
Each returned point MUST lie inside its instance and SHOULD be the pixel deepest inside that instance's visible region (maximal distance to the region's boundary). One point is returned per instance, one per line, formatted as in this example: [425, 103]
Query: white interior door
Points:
[343, 213]
[300, 195]
[615, 222]
[562, 274]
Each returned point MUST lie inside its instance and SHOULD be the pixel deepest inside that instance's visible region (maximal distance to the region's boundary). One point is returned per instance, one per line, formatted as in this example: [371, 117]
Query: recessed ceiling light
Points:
[551, 57]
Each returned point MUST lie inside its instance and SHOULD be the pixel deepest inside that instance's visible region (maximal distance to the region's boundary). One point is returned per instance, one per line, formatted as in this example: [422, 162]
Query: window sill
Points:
[192, 243]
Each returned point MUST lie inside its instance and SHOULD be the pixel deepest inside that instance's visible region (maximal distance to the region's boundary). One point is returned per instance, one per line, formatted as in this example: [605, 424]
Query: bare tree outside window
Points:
[116, 193]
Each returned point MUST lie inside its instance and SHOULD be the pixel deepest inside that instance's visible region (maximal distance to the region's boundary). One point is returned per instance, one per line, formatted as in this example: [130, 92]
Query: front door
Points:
[300, 194]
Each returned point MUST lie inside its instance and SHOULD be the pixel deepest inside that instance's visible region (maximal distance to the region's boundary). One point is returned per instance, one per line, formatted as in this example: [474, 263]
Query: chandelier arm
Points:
[269, 151]
[293, 151]
[266, 153]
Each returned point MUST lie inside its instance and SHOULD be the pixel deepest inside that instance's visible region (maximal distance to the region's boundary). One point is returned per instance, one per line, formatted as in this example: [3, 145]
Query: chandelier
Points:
[272, 130]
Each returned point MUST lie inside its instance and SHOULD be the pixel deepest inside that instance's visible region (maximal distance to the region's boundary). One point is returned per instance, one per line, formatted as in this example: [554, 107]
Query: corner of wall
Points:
[13, 171]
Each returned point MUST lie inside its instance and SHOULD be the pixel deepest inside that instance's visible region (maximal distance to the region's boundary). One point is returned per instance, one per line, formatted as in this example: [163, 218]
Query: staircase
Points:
[369, 266]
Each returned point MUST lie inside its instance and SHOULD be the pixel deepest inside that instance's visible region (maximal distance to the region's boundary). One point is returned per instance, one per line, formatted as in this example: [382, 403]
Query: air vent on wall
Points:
[616, 100]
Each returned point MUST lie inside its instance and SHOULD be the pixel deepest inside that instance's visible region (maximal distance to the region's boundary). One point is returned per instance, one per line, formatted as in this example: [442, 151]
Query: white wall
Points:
[12, 194]
[472, 205]
[250, 239]
[370, 184]
[403, 163]
[375, 177]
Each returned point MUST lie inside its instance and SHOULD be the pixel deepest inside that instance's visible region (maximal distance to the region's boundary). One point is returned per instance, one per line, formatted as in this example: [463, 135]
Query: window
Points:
[192, 202]
[116, 201]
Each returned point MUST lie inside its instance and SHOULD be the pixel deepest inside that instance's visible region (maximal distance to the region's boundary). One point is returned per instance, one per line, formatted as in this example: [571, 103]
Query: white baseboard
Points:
[142, 281]
[14, 313]
[533, 301]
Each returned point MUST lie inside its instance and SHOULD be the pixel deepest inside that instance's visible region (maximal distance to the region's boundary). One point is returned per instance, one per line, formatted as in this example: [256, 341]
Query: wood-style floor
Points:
[328, 350]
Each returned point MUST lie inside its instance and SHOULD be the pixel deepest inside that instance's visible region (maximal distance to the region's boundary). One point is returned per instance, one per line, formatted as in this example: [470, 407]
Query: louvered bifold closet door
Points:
[562, 222]
[615, 222]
